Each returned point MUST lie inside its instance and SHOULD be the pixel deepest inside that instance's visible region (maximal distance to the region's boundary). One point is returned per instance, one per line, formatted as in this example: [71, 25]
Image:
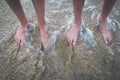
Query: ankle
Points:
[101, 19]
[42, 26]
[24, 23]
[43, 30]
[77, 23]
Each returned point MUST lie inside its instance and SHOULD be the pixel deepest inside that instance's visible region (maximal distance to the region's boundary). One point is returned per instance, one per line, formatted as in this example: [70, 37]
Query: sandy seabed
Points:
[90, 59]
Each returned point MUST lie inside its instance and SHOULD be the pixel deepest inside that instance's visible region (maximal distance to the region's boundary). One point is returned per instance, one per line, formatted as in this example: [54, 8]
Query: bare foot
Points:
[105, 32]
[72, 34]
[44, 36]
[19, 36]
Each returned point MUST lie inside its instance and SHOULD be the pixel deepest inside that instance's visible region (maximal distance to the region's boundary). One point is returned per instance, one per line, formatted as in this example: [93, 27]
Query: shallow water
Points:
[90, 59]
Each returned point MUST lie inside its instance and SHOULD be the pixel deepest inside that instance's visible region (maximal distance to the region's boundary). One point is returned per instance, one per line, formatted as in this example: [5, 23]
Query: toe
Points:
[105, 40]
[17, 40]
[21, 42]
[69, 41]
[74, 42]
[110, 40]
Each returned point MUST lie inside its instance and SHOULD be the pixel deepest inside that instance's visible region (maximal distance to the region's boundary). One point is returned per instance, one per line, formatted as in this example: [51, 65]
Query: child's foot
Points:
[19, 36]
[44, 36]
[105, 32]
[72, 34]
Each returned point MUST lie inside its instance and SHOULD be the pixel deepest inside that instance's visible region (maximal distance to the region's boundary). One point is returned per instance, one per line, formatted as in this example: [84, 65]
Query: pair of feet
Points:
[72, 34]
[105, 31]
[19, 36]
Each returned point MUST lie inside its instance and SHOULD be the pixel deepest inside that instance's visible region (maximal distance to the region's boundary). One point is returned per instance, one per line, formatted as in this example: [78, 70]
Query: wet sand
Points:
[90, 59]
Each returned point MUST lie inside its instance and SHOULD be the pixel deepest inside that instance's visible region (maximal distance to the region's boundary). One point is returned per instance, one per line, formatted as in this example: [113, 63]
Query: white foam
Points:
[54, 37]
[87, 35]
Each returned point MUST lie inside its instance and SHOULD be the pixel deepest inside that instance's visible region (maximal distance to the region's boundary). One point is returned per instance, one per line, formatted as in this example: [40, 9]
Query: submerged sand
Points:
[90, 59]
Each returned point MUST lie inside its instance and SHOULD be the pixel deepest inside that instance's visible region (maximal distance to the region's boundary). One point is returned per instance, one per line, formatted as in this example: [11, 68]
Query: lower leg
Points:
[72, 35]
[17, 9]
[104, 29]
[78, 7]
[40, 11]
[106, 9]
